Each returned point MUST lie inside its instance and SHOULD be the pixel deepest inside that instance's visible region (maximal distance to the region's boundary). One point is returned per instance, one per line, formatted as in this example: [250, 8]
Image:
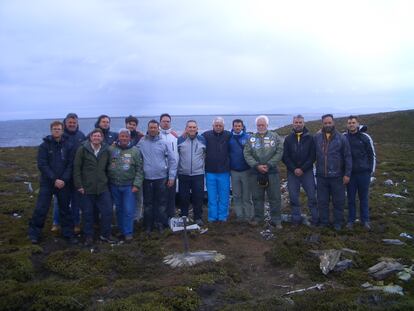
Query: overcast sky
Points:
[204, 57]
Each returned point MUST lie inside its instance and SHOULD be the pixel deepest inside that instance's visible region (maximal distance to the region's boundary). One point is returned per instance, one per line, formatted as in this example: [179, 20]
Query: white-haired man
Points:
[217, 167]
[263, 151]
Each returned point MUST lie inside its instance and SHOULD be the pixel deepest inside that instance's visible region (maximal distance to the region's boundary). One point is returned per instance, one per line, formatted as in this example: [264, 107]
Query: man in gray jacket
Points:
[160, 169]
[333, 170]
[192, 152]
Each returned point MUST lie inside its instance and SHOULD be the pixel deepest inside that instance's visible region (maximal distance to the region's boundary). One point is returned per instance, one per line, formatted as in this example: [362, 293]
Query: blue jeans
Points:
[307, 181]
[42, 208]
[218, 189]
[101, 202]
[191, 189]
[327, 188]
[125, 204]
[359, 182]
[74, 206]
[155, 203]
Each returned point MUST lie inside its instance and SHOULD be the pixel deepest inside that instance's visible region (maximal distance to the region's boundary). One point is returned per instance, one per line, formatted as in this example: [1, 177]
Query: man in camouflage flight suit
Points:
[263, 151]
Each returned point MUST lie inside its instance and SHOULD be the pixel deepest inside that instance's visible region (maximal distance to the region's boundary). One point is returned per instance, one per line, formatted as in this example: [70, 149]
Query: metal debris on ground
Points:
[393, 242]
[343, 265]
[390, 288]
[406, 235]
[404, 275]
[384, 269]
[393, 195]
[372, 180]
[388, 182]
[29, 186]
[329, 259]
[16, 215]
[192, 258]
[319, 286]
[267, 234]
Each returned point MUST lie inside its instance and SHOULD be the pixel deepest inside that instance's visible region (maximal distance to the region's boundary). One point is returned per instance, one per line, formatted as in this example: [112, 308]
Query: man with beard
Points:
[298, 156]
[333, 170]
[104, 123]
[75, 137]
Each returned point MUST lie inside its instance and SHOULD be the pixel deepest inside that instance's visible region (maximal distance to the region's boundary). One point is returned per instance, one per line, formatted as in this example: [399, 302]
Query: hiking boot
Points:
[350, 226]
[199, 222]
[77, 229]
[367, 226]
[108, 239]
[88, 241]
[55, 228]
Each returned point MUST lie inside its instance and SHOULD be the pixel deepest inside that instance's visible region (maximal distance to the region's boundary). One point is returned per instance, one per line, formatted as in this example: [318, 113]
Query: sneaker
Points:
[55, 228]
[109, 239]
[199, 222]
[77, 229]
[72, 241]
[367, 226]
[349, 226]
[88, 241]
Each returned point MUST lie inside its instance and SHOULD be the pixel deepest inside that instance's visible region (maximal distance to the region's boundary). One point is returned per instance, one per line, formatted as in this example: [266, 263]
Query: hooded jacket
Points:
[192, 153]
[333, 155]
[55, 160]
[299, 154]
[126, 166]
[264, 149]
[217, 151]
[90, 172]
[159, 160]
[362, 151]
[109, 137]
[236, 145]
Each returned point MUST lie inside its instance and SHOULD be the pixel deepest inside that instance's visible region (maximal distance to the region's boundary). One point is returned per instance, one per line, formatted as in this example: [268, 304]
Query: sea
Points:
[30, 132]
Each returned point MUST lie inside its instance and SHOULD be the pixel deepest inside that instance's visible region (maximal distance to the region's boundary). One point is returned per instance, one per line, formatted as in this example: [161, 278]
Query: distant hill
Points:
[387, 127]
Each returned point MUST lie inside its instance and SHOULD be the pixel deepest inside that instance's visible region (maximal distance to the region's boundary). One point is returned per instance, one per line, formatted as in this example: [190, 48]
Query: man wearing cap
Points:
[263, 152]
[125, 178]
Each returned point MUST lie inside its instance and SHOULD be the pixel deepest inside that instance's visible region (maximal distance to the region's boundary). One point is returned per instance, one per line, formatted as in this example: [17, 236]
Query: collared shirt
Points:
[96, 150]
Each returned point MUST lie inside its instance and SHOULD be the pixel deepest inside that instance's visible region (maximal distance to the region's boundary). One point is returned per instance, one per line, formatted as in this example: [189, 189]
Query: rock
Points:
[406, 235]
[382, 270]
[343, 265]
[393, 242]
[388, 182]
[390, 289]
[404, 275]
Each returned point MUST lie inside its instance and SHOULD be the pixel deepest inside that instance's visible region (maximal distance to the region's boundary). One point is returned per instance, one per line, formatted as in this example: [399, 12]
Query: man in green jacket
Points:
[125, 177]
[263, 151]
[90, 179]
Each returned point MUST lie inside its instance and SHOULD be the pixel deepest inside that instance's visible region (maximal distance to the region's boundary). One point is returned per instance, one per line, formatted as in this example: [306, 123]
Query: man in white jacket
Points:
[170, 136]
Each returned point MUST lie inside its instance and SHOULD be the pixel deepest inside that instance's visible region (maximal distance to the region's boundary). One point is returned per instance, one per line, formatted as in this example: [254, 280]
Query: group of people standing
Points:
[105, 169]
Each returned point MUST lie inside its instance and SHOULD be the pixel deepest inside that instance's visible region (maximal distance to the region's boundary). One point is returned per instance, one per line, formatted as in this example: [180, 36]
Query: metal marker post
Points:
[185, 236]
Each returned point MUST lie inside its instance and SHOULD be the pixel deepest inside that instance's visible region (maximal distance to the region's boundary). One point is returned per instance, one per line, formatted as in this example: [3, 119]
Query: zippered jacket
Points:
[333, 156]
[159, 160]
[217, 151]
[363, 152]
[264, 149]
[170, 137]
[192, 153]
[55, 160]
[236, 145]
[90, 172]
[299, 154]
[126, 168]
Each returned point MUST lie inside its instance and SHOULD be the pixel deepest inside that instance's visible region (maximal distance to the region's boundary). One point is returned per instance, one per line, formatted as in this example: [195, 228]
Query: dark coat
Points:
[363, 152]
[236, 145]
[333, 156]
[217, 151]
[299, 154]
[90, 172]
[55, 161]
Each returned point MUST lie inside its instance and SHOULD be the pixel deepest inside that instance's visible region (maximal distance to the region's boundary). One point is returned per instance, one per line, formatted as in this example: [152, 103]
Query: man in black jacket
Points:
[55, 162]
[298, 156]
[363, 166]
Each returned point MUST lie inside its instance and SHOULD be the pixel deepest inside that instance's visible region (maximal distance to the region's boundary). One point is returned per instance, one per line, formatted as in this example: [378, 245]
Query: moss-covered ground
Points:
[255, 275]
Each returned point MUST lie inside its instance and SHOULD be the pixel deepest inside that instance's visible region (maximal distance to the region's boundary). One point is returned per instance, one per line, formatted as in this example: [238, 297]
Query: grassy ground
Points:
[255, 274]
